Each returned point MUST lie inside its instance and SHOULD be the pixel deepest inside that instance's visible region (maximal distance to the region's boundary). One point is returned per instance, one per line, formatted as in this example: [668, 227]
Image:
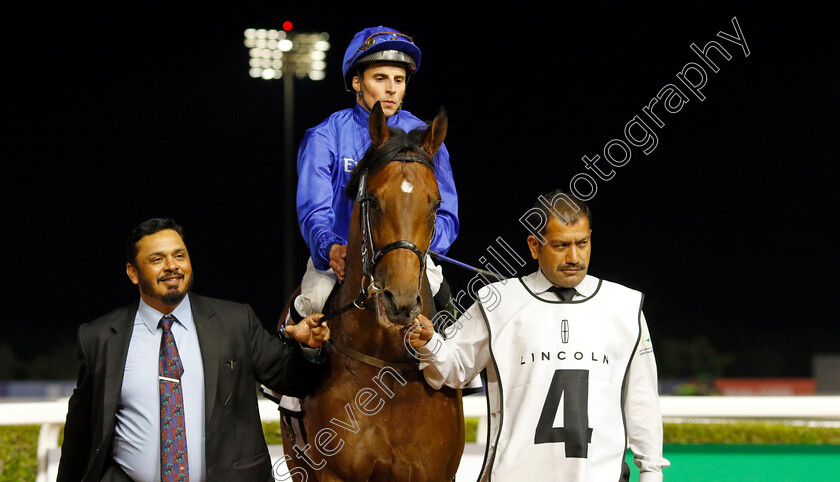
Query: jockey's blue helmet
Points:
[379, 44]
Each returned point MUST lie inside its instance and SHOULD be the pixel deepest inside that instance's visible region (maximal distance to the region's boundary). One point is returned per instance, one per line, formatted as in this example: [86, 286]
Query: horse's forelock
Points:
[374, 160]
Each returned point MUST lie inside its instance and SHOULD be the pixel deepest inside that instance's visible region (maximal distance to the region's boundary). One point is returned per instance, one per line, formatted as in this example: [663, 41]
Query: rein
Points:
[461, 264]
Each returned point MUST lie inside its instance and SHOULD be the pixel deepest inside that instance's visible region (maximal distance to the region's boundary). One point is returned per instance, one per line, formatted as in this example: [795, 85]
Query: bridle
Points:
[371, 259]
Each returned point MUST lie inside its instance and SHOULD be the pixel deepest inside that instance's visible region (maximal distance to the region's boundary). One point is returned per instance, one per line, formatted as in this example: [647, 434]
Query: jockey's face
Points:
[564, 258]
[383, 82]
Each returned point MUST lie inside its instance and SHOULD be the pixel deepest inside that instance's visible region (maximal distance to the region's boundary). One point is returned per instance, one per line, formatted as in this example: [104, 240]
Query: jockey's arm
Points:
[446, 223]
[314, 198]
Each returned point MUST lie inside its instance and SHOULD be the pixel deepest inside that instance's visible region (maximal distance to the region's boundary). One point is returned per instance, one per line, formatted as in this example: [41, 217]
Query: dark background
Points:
[117, 113]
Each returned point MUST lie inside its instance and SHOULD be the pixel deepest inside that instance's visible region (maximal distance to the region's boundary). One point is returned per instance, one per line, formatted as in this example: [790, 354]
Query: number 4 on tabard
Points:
[572, 386]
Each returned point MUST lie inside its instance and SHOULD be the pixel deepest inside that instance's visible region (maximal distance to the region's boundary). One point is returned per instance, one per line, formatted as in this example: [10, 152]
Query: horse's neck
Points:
[353, 272]
[353, 279]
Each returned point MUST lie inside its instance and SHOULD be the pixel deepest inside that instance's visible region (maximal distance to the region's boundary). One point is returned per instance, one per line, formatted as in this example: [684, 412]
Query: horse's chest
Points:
[387, 430]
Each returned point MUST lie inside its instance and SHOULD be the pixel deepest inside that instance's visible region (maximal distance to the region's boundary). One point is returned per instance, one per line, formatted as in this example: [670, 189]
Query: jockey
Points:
[377, 66]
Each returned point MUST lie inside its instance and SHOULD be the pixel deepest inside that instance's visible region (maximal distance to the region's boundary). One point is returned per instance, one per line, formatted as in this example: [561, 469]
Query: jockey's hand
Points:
[421, 332]
[338, 252]
[310, 331]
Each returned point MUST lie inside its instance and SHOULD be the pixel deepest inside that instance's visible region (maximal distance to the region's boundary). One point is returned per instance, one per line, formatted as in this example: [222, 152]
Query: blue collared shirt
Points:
[137, 429]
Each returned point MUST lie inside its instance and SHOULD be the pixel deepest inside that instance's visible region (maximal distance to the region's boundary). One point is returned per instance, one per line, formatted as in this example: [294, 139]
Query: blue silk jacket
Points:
[326, 158]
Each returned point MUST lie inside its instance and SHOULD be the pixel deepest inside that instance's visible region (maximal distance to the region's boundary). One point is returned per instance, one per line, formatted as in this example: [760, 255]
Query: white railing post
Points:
[47, 440]
[49, 415]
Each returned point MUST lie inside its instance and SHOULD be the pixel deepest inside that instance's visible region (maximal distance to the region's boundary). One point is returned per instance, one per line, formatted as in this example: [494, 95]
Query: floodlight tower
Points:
[283, 54]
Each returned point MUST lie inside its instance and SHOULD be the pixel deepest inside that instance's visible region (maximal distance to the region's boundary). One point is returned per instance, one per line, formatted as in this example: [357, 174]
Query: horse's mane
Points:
[375, 159]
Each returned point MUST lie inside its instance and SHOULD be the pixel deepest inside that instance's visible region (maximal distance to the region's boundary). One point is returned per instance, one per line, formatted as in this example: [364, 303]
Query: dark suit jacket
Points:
[235, 447]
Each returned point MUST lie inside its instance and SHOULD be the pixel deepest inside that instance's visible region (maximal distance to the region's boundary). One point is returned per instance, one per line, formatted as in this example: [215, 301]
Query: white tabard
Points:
[568, 382]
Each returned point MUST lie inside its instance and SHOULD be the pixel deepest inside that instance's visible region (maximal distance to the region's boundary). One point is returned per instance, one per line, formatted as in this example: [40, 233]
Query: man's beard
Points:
[174, 297]
[170, 298]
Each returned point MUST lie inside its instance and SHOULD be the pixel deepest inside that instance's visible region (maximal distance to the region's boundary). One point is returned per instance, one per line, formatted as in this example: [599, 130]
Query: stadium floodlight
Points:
[276, 54]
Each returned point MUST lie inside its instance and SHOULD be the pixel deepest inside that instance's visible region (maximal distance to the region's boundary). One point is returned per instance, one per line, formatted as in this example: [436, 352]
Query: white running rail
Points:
[50, 415]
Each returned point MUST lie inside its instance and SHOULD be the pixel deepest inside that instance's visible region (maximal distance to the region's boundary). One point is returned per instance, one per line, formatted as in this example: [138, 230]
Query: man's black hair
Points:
[150, 226]
[569, 207]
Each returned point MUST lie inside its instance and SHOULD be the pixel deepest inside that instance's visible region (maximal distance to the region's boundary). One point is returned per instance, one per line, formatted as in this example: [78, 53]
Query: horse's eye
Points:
[437, 205]
[373, 203]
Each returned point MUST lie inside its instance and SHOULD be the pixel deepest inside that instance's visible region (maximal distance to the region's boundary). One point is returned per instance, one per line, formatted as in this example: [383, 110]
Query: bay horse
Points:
[373, 416]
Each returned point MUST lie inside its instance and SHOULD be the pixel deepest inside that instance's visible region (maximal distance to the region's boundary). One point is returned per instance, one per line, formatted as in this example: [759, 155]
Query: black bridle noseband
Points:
[371, 259]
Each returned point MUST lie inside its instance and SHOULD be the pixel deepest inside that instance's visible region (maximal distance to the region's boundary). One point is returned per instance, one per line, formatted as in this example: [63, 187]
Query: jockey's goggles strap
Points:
[371, 40]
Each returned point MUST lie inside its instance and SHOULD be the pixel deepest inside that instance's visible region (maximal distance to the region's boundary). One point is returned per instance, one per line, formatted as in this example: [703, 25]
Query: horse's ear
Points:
[436, 132]
[378, 127]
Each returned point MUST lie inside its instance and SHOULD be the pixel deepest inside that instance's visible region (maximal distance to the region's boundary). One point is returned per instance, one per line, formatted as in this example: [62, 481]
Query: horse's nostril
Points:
[402, 306]
[389, 297]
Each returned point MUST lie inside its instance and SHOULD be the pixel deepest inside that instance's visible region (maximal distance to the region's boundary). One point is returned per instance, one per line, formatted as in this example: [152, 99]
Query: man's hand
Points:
[421, 332]
[310, 331]
[337, 254]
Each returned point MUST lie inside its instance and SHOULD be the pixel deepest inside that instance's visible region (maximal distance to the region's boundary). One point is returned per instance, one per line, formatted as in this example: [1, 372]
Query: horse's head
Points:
[397, 197]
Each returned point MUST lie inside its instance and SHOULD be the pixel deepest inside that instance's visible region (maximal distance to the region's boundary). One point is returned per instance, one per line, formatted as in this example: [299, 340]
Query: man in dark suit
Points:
[217, 351]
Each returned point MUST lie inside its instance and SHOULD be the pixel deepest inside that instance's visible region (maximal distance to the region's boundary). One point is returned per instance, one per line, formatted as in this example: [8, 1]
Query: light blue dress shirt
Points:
[137, 428]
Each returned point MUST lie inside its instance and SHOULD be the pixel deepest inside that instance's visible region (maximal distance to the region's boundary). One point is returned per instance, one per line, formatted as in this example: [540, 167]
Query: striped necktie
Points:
[173, 433]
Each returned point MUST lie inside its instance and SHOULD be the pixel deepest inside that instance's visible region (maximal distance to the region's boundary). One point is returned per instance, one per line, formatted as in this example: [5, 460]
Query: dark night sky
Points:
[114, 114]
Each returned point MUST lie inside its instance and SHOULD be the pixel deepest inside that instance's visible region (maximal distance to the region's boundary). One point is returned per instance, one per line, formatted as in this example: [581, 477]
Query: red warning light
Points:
[287, 25]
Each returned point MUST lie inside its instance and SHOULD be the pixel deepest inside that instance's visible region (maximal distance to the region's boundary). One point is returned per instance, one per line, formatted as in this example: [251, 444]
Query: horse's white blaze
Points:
[406, 186]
